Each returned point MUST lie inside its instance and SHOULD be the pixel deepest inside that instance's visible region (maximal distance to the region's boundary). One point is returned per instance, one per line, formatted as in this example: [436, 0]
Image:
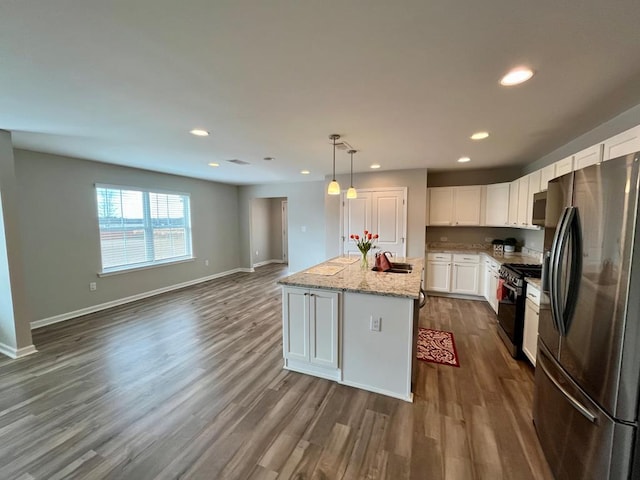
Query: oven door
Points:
[508, 313]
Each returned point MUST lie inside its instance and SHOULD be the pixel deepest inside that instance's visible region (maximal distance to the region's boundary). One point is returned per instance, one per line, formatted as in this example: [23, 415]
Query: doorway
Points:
[269, 231]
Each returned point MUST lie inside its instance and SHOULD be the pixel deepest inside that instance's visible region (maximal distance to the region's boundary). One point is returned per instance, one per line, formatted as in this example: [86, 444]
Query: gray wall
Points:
[15, 331]
[61, 240]
[416, 182]
[306, 221]
[276, 228]
[452, 178]
[266, 229]
[618, 124]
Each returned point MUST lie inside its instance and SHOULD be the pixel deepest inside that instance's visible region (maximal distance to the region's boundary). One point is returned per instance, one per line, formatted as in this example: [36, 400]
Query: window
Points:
[140, 228]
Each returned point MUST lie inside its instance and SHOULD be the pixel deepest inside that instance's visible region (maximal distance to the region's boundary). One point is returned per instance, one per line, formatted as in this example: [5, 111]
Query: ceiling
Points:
[405, 82]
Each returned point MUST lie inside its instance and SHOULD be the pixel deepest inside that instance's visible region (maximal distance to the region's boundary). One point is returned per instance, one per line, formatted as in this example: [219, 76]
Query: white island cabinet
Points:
[354, 326]
[310, 330]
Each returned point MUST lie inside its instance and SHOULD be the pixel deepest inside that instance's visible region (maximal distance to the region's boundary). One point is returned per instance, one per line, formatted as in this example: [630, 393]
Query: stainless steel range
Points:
[511, 308]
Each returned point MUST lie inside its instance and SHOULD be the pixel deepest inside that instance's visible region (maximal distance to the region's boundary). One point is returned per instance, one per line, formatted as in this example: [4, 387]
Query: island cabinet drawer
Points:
[462, 258]
[442, 257]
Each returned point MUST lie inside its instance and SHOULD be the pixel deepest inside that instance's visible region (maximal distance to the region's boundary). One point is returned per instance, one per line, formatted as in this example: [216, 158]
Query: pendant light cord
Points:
[351, 152]
[334, 158]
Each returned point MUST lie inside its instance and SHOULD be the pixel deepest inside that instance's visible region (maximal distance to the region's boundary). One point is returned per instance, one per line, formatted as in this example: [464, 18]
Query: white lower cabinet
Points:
[531, 311]
[438, 272]
[310, 330]
[453, 273]
[491, 276]
[465, 276]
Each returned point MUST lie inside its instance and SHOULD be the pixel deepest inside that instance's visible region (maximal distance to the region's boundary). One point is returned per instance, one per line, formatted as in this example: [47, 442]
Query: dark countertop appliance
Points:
[511, 307]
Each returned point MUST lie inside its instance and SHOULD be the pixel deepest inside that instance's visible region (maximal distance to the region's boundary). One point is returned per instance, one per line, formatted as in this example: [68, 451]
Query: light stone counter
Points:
[516, 257]
[353, 279]
[536, 282]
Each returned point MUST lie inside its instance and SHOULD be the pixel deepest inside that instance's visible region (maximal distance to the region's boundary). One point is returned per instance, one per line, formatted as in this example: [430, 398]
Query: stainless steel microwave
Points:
[539, 207]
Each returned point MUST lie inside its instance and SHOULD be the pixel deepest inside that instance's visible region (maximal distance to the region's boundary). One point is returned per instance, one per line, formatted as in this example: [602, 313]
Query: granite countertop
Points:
[351, 278]
[516, 257]
[536, 282]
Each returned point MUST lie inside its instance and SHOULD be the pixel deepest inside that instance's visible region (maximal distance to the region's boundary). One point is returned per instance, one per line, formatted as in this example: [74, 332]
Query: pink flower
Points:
[375, 236]
[369, 236]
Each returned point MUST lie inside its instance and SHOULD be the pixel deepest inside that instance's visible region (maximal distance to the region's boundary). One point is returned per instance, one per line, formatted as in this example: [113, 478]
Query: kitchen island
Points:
[357, 327]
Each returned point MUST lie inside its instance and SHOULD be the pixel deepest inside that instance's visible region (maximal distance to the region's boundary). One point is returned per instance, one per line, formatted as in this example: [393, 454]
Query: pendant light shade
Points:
[334, 187]
[351, 193]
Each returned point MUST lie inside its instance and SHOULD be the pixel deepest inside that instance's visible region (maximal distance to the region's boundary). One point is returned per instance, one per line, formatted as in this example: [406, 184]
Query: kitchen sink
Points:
[398, 268]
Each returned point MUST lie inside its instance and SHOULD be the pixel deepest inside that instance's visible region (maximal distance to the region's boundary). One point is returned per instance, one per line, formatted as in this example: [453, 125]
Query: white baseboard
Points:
[402, 396]
[16, 352]
[267, 262]
[121, 301]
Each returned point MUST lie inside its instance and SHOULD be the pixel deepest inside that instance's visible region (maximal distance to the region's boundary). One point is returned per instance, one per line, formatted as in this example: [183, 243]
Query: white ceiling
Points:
[405, 82]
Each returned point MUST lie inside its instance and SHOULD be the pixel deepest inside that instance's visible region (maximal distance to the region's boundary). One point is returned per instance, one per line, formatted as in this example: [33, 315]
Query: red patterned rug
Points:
[437, 346]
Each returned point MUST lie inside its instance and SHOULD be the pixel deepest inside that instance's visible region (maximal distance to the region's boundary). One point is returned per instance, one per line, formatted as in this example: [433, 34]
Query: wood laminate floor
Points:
[190, 385]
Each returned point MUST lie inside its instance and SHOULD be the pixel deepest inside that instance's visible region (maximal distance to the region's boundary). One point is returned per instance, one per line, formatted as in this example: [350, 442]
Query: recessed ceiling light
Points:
[214, 164]
[464, 160]
[375, 166]
[479, 135]
[516, 76]
[199, 132]
[305, 172]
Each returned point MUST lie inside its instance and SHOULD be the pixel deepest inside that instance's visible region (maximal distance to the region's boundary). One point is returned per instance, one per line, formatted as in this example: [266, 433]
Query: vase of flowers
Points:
[364, 244]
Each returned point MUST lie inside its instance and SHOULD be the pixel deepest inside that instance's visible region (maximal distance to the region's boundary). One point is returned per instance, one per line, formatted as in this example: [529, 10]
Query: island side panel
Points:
[378, 361]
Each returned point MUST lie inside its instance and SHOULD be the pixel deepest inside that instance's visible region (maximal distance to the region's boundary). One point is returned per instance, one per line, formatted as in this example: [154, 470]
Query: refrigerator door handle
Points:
[555, 271]
[575, 269]
[570, 398]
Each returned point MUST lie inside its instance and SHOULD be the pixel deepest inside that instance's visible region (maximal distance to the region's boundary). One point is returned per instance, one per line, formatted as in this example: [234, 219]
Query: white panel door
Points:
[381, 211]
[523, 197]
[440, 205]
[497, 211]
[356, 219]
[295, 316]
[466, 205]
[323, 328]
[564, 166]
[588, 156]
[546, 174]
[438, 276]
[464, 278]
[513, 202]
[388, 221]
[622, 144]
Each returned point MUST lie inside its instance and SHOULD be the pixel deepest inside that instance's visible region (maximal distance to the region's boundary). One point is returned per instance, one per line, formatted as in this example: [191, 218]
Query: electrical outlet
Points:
[444, 239]
[257, 254]
[375, 324]
[488, 239]
[92, 286]
[206, 263]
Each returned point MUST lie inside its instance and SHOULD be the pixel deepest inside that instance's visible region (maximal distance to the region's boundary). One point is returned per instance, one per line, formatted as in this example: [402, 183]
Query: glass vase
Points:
[364, 262]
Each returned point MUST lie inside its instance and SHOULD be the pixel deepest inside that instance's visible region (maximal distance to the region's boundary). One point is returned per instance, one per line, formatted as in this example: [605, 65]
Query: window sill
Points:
[109, 273]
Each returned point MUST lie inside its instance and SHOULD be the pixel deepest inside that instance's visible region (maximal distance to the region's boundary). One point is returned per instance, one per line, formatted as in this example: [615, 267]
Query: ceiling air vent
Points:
[238, 162]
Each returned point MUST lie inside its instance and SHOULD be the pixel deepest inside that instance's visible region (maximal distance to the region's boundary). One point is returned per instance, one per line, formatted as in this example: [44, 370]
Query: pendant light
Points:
[351, 193]
[334, 187]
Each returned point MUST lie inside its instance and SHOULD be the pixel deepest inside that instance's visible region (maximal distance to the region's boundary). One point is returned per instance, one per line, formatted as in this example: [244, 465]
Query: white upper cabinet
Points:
[467, 205]
[497, 207]
[440, 205]
[546, 174]
[564, 166]
[513, 203]
[588, 156]
[534, 182]
[523, 196]
[455, 205]
[622, 144]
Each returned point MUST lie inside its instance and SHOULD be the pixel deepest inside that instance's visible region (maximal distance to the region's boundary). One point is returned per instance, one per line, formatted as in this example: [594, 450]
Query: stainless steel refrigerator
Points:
[588, 364]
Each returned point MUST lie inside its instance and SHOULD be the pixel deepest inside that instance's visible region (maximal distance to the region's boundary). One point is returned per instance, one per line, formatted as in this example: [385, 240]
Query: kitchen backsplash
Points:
[529, 241]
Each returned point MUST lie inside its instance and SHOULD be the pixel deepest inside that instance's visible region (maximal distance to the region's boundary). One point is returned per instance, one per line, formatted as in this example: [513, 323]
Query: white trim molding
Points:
[121, 301]
[267, 262]
[14, 353]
